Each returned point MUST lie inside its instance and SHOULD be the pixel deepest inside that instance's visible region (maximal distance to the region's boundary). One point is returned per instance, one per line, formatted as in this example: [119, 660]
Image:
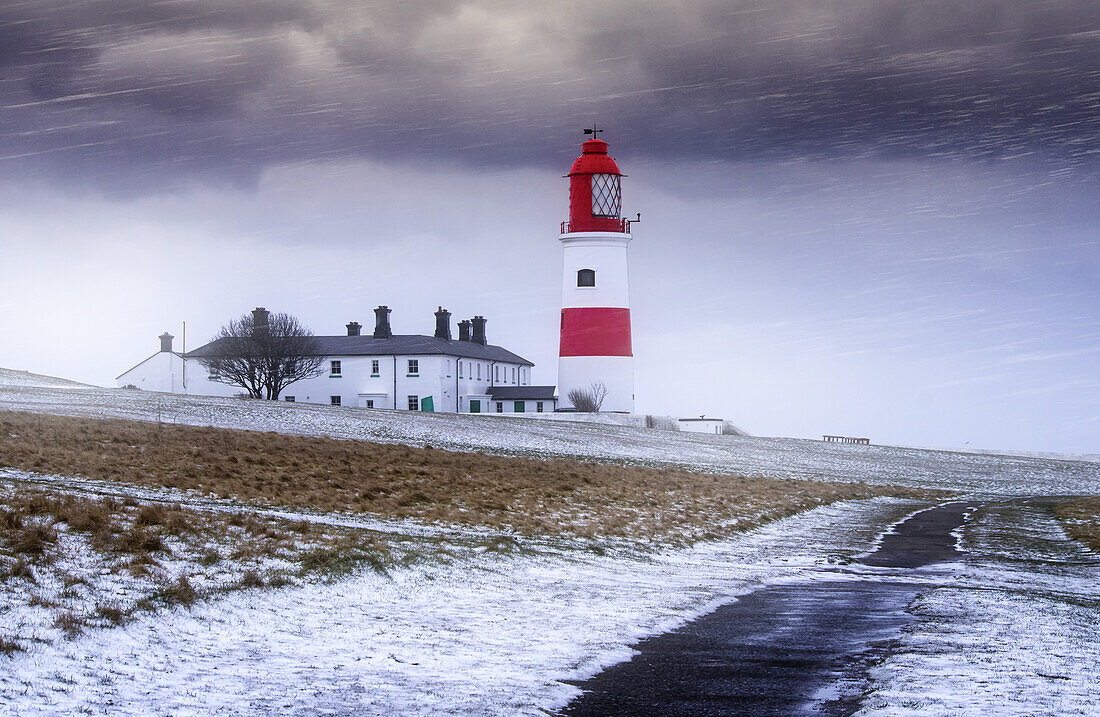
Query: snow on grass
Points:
[26, 379]
[528, 496]
[1016, 632]
[72, 561]
[970, 473]
[473, 624]
[491, 633]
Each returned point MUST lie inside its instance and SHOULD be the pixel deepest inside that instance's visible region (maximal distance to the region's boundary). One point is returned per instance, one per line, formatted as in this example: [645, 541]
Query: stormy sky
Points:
[862, 217]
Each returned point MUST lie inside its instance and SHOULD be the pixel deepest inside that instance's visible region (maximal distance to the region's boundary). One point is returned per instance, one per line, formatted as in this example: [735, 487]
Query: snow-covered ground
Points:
[482, 634]
[26, 379]
[971, 473]
[477, 631]
[1016, 631]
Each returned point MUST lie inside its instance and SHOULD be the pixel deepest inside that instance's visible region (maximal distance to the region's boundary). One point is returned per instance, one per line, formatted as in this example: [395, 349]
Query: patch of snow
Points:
[489, 634]
[26, 379]
[1017, 631]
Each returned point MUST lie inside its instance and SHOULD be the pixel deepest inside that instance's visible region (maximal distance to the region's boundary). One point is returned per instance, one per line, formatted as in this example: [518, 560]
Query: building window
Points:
[519, 406]
[448, 368]
[334, 369]
[538, 407]
[414, 367]
[334, 400]
[479, 372]
[374, 367]
[370, 403]
[288, 399]
[586, 277]
[460, 369]
[496, 373]
[500, 406]
[513, 374]
[414, 403]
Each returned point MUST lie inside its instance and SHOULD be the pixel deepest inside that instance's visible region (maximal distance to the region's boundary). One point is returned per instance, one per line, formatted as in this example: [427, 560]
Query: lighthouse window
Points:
[606, 196]
[586, 277]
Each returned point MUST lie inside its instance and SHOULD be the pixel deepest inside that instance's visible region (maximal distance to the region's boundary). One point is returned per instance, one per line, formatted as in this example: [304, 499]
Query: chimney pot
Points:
[382, 323]
[166, 341]
[354, 328]
[478, 336]
[464, 330]
[260, 321]
[443, 324]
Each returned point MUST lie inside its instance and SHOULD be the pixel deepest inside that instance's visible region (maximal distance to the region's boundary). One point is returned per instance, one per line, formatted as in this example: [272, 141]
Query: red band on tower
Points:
[595, 331]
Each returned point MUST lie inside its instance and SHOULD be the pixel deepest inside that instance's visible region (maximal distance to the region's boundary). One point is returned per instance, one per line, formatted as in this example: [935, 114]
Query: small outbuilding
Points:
[702, 424]
[521, 399]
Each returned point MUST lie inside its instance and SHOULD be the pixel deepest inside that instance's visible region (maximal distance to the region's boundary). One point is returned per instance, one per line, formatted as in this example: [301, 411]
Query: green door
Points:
[475, 406]
[519, 407]
[427, 404]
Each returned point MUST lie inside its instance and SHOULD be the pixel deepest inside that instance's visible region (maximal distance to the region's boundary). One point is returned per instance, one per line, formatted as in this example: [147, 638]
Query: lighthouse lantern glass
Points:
[606, 195]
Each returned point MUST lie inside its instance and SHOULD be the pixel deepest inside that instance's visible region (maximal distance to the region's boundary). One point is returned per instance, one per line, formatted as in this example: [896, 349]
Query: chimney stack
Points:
[382, 323]
[479, 330]
[464, 330]
[354, 328]
[166, 341]
[260, 321]
[443, 324]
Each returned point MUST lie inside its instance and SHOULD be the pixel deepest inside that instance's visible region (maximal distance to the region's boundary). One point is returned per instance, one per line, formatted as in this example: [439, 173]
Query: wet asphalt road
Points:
[794, 649]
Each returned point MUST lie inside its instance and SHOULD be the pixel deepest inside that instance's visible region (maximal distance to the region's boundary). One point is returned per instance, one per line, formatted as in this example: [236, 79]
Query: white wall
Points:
[606, 254]
[437, 377]
[696, 425]
[473, 387]
[165, 371]
[614, 372]
[529, 406]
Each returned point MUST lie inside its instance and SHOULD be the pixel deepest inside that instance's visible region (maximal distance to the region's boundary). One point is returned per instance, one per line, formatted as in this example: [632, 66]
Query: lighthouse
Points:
[595, 349]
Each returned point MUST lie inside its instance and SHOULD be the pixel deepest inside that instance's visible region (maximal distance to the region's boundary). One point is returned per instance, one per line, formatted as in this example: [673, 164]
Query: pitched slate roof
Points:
[533, 393]
[408, 345]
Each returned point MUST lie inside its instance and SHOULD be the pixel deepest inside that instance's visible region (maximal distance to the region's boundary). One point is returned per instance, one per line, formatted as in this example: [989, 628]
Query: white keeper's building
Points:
[381, 370]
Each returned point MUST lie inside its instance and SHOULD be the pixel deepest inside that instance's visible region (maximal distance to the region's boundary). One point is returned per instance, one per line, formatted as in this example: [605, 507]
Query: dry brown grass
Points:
[137, 534]
[552, 497]
[164, 554]
[1081, 519]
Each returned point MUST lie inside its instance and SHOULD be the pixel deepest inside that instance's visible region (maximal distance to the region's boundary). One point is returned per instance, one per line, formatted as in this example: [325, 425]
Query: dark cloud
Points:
[148, 93]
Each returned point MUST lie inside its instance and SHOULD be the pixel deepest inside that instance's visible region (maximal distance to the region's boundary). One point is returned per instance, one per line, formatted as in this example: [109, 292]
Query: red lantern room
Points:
[595, 193]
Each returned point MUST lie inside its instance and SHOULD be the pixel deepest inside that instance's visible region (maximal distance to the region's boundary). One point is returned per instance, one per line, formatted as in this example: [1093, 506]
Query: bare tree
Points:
[263, 353]
[292, 354]
[588, 400]
[233, 357]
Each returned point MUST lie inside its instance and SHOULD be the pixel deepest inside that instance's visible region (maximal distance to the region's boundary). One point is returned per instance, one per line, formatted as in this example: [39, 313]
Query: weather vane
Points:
[593, 131]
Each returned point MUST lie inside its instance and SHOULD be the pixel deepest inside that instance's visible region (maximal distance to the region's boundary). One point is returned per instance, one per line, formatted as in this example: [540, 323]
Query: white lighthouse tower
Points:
[595, 347]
